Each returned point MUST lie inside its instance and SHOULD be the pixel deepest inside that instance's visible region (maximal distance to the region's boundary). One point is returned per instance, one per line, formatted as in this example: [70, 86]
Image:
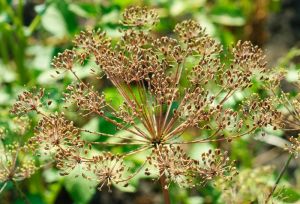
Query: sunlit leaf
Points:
[53, 21]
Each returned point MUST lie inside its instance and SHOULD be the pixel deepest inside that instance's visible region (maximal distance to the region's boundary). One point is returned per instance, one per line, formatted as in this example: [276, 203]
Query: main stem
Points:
[279, 178]
[165, 190]
[22, 194]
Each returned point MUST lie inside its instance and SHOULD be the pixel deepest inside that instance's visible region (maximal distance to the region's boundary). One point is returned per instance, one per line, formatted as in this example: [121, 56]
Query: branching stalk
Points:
[284, 168]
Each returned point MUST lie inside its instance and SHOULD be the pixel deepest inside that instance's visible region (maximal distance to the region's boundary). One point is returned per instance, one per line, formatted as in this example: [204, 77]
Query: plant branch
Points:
[165, 190]
[284, 168]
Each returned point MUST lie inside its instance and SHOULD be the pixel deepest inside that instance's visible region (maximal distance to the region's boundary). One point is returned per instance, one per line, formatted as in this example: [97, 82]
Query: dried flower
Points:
[9, 170]
[157, 108]
[294, 146]
[54, 132]
[88, 42]
[216, 165]
[250, 185]
[85, 98]
[139, 16]
[27, 102]
[13, 166]
[64, 60]
[67, 159]
[108, 169]
[290, 120]
[21, 125]
[173, 164]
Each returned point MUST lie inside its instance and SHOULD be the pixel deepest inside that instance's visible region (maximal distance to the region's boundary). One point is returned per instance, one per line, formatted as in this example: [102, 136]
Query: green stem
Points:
[19, 55]
[3, 187]
[284, 168]
[22, 194]
[4, 47]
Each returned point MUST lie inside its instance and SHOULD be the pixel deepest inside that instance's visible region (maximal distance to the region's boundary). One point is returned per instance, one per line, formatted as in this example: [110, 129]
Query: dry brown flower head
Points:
[159, 103]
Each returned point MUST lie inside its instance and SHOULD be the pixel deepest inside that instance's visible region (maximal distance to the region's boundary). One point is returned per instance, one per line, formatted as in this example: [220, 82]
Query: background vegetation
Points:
[33, 31]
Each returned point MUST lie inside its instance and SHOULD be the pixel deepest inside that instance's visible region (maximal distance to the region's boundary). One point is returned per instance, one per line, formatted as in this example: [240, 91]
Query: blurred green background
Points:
[33, 31]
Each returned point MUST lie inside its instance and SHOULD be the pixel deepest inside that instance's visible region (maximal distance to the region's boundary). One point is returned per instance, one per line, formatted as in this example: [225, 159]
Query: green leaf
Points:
[51, 175]
[7, 75]
[125, 3]
[228, 15]
[42, 56]
[68, 15]
[53, 22]
[197, 149]
[292, 75]
[90, 9]
[78, 10]
[111, 94]
[195, 200]
[92, 125]
[54, 190]
[129, 189]
[4, 97]
[287, 195]
[81, 190]
[107, 127]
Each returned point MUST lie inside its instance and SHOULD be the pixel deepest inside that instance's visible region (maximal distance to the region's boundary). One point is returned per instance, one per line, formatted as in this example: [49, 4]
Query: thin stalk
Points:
[144, 148]
[144, 117]
[114, 136]
[164, 185]
[117, 143]
[207, 139]
[177, 79]
[3, 187]
[121, 126]
[4, 47]
[18, 50]
[165, 191]
[284, 168]
[134, 174]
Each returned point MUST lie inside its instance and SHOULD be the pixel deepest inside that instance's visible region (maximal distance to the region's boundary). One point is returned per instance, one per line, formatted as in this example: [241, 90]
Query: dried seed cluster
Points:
[290, 120]
[27, 102]
[250, 185]
[174, 164]
[17, 160]
[85, 98]
[157, 106]
[216, 164]
[294, 146]
[108, 169]
[65, 60]
[56, 132]
[139, 16]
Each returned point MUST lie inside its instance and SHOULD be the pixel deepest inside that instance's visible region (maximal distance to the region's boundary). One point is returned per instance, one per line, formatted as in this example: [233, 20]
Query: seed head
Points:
[216, 164]
[27, 102]
[139, 16]
[64, 60]
[294, 146]
[86, 100]
[158, 105]
[55, 132]
[174, 164]
[108, 169]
